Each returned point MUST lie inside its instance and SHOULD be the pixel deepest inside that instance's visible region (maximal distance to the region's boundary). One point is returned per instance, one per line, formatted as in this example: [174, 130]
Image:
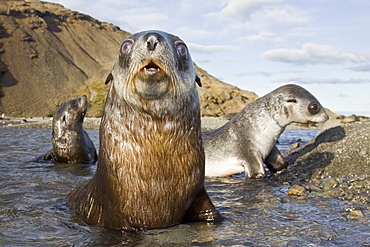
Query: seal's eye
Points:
[313, 108]
[126, 47]
[182, 50]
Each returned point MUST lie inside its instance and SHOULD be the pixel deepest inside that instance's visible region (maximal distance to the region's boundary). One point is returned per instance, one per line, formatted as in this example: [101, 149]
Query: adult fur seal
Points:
[71, 143]
[150, 170]
[248, 140]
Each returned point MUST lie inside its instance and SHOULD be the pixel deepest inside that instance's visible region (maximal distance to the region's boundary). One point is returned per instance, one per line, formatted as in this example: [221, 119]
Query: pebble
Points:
[297, 190]
[315, 188]
[329, 183]
[355, 214]
[295, 145]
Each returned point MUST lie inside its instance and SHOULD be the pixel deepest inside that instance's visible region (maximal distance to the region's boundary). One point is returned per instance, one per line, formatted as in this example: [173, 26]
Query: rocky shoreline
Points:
[335, 165]
[208, 123]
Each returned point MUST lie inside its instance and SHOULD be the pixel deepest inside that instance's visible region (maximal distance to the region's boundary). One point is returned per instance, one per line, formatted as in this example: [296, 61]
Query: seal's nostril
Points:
[152, 42]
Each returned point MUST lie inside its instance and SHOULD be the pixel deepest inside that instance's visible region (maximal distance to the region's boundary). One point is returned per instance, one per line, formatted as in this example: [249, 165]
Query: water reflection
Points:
[33, 210]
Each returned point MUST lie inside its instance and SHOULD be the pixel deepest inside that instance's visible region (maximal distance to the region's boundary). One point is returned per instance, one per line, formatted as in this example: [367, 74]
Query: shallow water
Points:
[33, 210]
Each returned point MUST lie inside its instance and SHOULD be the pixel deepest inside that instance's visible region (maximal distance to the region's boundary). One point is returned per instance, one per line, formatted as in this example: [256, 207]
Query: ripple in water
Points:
[33, 210]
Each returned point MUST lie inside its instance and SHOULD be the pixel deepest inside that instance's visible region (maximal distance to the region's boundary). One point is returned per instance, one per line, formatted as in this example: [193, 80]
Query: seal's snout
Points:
[152, 41]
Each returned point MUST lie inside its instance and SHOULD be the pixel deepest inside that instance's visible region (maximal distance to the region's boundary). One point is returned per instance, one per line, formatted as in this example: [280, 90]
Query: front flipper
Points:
[253, 165]
[275, 160]
[202, 209]
[43, 158]
[48, 156]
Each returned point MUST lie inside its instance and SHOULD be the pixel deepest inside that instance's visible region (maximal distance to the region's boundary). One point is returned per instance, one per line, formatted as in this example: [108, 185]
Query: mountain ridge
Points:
[50, 54]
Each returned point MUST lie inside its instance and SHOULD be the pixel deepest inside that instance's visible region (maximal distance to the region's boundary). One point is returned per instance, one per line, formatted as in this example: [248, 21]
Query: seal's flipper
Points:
[48, 156]
[197, 79]
[202, 209]
[253, 165]
[275, 160]
[109, 78]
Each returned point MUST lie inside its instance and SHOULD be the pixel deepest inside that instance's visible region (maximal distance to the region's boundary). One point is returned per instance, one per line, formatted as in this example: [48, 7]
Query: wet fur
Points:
[151, 160]
[248, 140]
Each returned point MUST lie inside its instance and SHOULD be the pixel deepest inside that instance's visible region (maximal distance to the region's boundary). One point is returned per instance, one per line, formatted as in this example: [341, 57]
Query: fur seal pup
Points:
[150, 170]
[248, 140]
[71, 143]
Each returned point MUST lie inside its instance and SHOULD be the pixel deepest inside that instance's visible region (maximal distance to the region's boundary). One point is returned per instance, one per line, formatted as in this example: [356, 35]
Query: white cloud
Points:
[242, 10]
[255, 73]
[202, 61]
[265, 37]
[280, 15]
[253, 15]
[143, 18]
[313, 54]
[264, 73]
[188, 33]
[308, 80]
[361, 68]
[210, 48]
[262, 36]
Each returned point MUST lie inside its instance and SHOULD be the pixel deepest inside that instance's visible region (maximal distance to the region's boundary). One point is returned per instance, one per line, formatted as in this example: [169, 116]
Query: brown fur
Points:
[151, 161]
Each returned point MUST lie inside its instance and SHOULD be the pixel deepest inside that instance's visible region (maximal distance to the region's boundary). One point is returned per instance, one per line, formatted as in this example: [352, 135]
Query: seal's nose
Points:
[152, 42]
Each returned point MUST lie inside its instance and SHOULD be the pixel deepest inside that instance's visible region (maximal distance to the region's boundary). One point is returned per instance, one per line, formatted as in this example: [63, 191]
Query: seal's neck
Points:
[132, 137]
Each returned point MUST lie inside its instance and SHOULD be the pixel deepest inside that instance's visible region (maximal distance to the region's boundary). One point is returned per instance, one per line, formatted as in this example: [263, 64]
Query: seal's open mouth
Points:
[151, 69]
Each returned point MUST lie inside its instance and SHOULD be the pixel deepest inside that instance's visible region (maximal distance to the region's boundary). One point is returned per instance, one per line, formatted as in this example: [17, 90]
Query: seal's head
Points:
[297, 105]
[69, 116]
[148, 67]
[71, 144]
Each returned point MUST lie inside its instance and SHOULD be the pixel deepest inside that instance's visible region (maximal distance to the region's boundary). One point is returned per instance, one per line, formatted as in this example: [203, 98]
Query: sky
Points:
[260, 45]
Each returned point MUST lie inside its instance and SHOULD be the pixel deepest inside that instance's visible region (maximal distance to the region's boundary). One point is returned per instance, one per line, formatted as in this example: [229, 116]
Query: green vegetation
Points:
[96, 93]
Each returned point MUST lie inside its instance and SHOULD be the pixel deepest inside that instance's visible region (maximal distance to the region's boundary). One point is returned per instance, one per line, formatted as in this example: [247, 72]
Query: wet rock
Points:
[295, 145]
[356, 214]
[329, 183]
[335, 164]
[297, 190]
[330, 194]
[360, 184]
[314, 188]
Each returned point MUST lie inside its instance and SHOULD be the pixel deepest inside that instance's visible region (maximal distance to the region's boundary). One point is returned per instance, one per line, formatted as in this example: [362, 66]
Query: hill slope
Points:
[49, 55]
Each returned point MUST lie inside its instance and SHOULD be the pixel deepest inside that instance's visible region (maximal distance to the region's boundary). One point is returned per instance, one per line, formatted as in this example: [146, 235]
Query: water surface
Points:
[33, 210]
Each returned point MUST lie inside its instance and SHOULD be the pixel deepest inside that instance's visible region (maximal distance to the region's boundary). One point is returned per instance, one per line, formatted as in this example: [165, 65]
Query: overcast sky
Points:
[259, 45]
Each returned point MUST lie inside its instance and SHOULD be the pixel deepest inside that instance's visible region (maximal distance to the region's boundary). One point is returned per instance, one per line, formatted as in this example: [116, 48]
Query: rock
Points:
[336, 161]
[349, 119]
[335, 192]
[297, 190]
[314, 188]
[355, 214]
[329, 183]
[295, 145]
[362, 118]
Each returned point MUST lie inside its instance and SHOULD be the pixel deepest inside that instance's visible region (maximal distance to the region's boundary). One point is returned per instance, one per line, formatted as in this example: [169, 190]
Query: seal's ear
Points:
[197, 79]
[109, 78]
